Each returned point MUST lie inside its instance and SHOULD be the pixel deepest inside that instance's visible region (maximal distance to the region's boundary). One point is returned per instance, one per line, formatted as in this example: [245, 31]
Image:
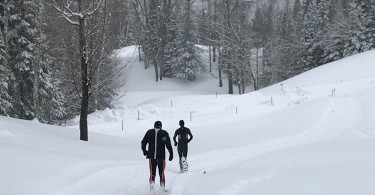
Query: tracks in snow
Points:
[341, 114]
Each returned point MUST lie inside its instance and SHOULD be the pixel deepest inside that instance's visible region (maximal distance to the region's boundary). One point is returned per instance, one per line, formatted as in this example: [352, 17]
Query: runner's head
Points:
[157, 125]
[182, 123]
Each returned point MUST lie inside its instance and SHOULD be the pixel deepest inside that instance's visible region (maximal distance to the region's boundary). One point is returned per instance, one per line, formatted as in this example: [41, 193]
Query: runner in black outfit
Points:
[157, 139]
[184, 137]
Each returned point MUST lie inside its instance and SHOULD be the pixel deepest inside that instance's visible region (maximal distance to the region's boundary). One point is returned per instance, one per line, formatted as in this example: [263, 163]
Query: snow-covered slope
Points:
[312, 134]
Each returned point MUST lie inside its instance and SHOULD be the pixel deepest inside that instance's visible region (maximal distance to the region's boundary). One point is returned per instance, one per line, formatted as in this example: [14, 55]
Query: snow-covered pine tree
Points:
[49, 100]
[153, 35]
[362, 18]
[268, 12]
[188, 62]
[338, 33]
[351, 30]
[285, 45]
[315, 22]
[170, 54]
[5, 99]
[5, 73]
[296, 47]
[22, 40]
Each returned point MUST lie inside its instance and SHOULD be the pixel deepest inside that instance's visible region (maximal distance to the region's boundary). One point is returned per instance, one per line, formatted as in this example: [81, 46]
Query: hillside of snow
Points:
[313, 134]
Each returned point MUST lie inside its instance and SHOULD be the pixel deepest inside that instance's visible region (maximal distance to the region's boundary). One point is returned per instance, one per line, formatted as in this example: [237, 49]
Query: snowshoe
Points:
[183, 165]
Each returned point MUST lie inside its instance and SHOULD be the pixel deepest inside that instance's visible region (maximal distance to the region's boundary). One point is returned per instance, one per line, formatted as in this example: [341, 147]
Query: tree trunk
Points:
[209, 57]
[230, 80]
[156, 70]
[209, 34]
[163, 42]
[231, 51]
[85, 82]
[239, 86]
[252, 76]
[219, 66]
[214, 54]
[243, 81]
[256, 79]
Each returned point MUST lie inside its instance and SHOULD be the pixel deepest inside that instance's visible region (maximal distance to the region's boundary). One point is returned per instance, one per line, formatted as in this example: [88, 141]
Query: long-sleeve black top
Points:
[156, 150]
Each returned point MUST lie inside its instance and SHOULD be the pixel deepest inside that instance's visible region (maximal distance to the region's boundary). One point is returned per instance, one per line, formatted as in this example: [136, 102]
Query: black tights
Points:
[182, 150]
[160, 163]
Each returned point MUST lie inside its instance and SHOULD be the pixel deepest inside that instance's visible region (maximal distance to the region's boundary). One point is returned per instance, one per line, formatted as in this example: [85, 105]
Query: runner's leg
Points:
[153, 163]
[161, 167]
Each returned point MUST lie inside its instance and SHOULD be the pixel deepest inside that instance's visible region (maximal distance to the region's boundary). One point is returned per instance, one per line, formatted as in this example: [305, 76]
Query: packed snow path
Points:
[339, 115]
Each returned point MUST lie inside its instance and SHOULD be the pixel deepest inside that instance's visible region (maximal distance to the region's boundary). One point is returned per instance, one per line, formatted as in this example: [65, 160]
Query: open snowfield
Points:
[313, 134]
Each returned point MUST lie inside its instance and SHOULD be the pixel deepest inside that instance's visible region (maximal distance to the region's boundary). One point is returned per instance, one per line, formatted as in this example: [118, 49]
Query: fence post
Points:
[236, 110]
[138, 114]
[171, 104]
[122, 127]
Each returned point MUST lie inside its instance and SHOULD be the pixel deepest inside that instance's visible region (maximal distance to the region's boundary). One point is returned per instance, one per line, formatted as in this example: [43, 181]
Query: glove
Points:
[170, 157]
[145, 152]
[175, 144]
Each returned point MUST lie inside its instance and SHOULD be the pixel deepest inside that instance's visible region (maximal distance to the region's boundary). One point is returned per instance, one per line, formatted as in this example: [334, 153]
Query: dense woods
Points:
[56, 56]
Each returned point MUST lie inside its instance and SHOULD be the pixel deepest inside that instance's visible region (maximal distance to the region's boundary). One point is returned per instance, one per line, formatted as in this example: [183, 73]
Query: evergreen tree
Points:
[5, 99]
[5, 73]
[351, 31]
[22, 56]
[188, 61]
[286, 46]
[153, 36]
[268, 46]
[49, 98]
[170, 53]
[362, 18]
[338, 33]
[314, 27]
[296, 47]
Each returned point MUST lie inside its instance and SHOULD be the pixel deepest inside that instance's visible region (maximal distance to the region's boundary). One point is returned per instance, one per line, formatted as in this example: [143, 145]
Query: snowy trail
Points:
[340, 115]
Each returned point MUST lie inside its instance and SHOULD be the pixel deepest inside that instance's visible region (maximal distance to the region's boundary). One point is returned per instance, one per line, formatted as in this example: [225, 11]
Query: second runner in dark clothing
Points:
[184, 136]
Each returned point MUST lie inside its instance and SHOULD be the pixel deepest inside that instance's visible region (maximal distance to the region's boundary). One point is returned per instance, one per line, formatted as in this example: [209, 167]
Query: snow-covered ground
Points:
[313, 134]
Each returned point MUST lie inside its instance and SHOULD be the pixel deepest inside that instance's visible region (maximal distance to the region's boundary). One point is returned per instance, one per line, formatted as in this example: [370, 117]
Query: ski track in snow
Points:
[340, 115]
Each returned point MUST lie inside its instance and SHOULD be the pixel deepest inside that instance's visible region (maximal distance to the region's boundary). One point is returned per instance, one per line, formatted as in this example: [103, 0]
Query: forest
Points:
[57, 57]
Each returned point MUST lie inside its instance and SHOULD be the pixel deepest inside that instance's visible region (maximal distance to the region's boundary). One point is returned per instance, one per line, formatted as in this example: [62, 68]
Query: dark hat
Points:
[181, 122]
[157, 124]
